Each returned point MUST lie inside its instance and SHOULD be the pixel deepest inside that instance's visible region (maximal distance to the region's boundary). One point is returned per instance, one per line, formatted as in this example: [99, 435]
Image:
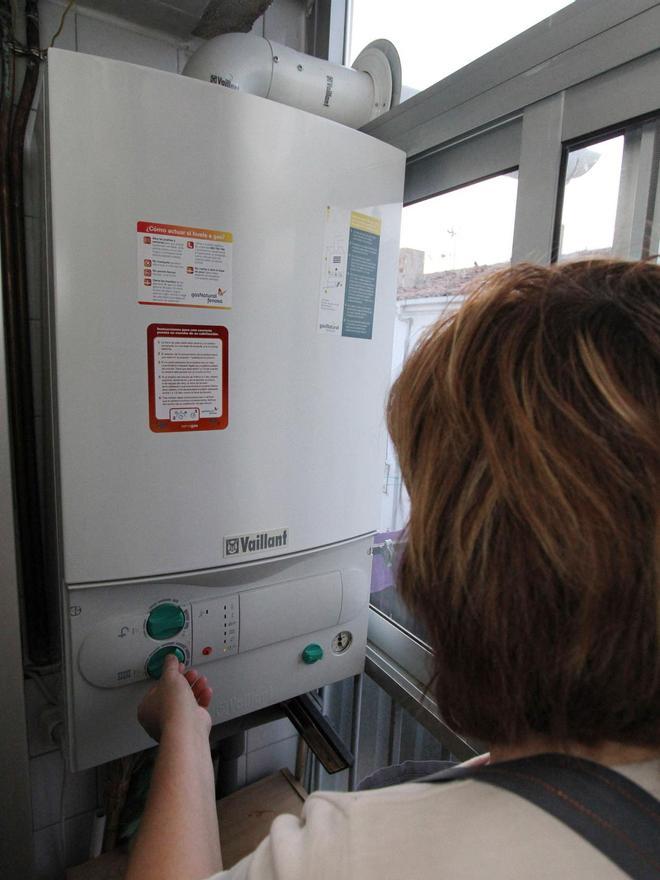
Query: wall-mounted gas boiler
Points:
[222, 286]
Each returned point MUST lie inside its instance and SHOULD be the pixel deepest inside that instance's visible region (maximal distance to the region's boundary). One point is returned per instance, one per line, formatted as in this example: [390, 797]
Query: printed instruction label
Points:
[188, 377]
[183, 266]
[349, 273]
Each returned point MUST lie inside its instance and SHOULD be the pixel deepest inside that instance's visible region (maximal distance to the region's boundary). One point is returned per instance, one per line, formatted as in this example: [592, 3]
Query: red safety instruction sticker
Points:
[188, 369]
[183, 266]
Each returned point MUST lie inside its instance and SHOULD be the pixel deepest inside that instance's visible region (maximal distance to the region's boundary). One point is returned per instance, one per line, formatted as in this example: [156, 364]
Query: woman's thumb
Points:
[170, 665]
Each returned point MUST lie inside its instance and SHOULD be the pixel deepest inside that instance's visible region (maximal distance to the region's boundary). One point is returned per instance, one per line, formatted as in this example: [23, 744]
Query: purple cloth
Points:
[399, 774]
[382, 575]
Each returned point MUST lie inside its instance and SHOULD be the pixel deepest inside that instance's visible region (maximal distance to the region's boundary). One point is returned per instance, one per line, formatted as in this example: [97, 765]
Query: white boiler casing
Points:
[195, 235]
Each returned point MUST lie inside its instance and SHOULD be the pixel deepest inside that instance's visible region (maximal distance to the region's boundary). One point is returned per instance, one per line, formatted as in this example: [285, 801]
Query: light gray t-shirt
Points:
[420, 831]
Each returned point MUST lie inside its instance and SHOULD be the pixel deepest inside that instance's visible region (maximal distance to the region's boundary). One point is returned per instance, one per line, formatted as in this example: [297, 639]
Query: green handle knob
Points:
[157, 659]
[312, 653]
[165, 621]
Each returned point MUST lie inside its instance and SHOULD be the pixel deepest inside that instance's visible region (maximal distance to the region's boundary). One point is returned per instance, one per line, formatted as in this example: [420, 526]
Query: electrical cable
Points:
[38, 602]
[39, 682]
[69, 5]
[48, 669]
[62, 819]
[7, 64]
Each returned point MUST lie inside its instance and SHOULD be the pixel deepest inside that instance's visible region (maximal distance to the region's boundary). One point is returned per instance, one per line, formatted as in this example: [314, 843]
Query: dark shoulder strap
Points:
[615, 815]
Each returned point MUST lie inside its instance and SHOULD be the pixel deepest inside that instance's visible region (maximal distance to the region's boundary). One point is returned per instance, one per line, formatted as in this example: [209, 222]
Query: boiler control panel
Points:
[259, 635]
[128, 648]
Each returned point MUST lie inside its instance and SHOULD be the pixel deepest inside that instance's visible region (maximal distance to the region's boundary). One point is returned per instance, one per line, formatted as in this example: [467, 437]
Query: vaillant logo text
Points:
[256, 542]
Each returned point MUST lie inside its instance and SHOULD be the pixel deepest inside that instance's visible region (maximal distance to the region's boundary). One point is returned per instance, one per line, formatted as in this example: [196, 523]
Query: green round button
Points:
[155, 662]
[165, 621]
[312, 653]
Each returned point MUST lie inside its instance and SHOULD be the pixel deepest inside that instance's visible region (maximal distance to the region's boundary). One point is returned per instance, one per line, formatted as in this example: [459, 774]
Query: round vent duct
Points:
[350, 95]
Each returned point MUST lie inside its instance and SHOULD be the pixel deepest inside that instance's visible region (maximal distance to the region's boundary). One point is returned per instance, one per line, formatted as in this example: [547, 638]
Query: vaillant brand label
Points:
[255, 542]
[183, 266]
[329, 80]
[349, 273]
[222, 81]
[244, 703]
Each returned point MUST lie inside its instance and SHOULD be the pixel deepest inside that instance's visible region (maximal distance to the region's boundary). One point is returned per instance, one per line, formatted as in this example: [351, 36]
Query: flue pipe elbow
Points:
[249, 63]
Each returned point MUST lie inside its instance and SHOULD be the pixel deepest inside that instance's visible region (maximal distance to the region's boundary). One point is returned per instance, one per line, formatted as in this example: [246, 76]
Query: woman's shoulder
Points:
[422, 829]
[469, 791]
[645, 773]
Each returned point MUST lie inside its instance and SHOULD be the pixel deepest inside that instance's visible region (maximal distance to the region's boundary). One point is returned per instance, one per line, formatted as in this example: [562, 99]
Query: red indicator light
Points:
[206, 651]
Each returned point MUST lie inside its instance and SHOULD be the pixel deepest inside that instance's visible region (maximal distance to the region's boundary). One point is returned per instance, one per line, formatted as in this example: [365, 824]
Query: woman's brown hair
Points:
[527, 427]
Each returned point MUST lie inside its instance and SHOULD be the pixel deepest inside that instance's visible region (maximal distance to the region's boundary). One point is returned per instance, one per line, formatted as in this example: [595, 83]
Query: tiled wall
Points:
[269, 748]
[66, 820]
[63, 803]
[97, 34]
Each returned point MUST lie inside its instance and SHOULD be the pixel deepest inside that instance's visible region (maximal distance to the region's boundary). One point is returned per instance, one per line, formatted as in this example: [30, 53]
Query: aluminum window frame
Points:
[591, 68]
[327, 29]
[634, 237]
[577, 43]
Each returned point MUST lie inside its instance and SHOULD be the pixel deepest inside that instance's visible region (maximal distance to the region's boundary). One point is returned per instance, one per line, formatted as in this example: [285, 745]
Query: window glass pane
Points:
[591, 195]
[471, 226]
[652, 243]
[390, 735]
[387, 734]
[447, 242]
[436, 39]
[384, 595]
[651, 232]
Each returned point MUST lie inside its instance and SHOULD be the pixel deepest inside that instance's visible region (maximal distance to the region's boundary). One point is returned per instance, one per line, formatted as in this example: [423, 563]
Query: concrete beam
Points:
[229, 16]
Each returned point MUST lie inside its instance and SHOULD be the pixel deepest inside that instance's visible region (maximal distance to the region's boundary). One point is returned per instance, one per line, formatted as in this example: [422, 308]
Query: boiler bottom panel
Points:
[261, 634]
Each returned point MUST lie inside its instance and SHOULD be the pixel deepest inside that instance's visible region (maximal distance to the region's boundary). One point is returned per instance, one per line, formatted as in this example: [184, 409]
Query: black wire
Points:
[38, 604]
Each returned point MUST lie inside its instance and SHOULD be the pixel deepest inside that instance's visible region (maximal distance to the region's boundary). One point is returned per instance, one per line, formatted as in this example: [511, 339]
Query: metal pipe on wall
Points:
[356, 720]
[41, 629]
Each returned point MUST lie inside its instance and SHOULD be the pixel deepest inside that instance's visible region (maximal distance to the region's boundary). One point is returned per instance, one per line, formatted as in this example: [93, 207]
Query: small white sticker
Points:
[349, 273]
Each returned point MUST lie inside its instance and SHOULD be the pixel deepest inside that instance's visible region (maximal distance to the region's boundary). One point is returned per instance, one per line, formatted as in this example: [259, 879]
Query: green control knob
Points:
[312, 653]
[165, 621]
[155, 662]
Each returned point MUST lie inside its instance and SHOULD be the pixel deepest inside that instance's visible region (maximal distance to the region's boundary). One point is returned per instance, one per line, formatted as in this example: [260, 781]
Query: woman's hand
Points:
[179, 698]
[178, 835]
